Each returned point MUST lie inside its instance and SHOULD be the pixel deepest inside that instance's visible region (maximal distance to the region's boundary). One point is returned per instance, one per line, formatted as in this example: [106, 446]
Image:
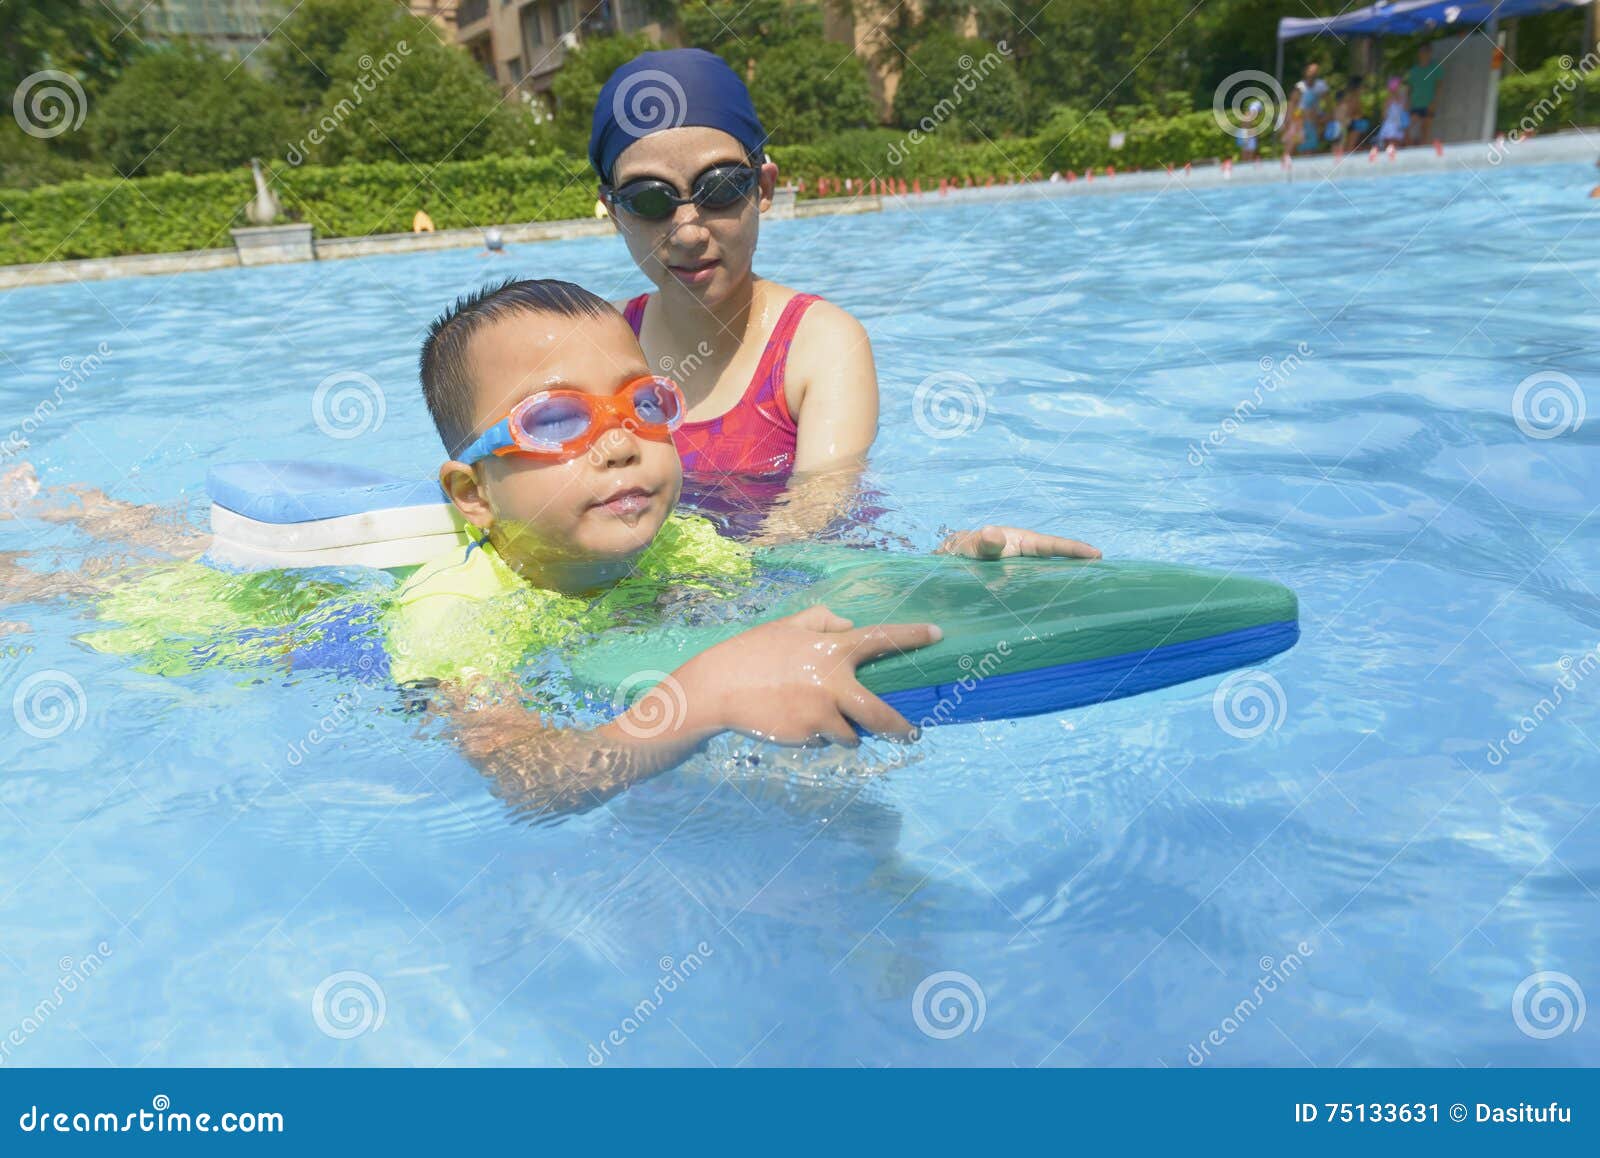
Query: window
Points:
[566, 16]
[532, 18]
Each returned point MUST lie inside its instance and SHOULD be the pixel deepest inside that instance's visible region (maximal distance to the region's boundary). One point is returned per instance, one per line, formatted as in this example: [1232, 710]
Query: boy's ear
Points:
[460, 483]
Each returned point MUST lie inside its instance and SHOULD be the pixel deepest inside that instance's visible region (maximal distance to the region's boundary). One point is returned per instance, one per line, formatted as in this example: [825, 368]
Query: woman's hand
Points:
[994, 542]
[793, 681]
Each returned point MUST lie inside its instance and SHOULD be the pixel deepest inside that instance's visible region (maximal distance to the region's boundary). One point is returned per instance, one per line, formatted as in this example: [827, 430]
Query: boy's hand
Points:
[993, 542]
[793, 680]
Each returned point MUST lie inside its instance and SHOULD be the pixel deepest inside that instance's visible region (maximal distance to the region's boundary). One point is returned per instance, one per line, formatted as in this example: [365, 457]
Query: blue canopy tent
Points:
[1408, 17]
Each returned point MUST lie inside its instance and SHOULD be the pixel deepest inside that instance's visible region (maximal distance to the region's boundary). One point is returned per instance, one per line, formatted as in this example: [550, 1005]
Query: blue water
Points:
[1103, 886]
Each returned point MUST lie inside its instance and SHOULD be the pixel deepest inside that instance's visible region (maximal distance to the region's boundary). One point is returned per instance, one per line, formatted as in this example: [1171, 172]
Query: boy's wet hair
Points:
[445, 365]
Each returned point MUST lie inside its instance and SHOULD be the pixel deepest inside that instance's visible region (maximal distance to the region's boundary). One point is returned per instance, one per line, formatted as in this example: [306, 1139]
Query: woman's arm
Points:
[832, 385]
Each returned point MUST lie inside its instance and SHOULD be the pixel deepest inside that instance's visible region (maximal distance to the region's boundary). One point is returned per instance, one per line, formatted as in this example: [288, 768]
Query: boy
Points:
[572, 490]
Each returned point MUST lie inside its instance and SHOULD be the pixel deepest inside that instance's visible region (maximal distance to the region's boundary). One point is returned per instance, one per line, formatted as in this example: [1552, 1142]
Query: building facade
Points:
[521, 44]
[236, 28]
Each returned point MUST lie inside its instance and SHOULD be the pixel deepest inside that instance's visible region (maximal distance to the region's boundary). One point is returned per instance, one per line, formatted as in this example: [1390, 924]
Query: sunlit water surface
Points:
[1113, 884]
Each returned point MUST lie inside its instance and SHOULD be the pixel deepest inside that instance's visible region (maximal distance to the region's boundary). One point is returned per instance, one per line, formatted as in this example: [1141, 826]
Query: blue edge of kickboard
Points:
[1010, 695]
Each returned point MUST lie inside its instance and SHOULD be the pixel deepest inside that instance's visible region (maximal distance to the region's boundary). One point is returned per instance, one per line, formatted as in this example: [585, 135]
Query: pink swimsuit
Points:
[758, 435]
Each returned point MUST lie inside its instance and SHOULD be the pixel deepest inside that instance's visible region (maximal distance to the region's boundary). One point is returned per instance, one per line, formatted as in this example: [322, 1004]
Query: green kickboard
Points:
[1040, 634]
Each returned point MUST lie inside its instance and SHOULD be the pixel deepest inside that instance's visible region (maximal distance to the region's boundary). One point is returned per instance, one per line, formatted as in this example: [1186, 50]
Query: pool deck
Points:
[1577, 146]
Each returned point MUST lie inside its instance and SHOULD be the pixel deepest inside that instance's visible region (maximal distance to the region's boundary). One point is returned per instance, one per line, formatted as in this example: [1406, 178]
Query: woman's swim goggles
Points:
[651, 199]
[562, 424]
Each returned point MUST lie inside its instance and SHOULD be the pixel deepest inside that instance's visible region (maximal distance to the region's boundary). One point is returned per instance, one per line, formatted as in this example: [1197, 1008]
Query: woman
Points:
[776, 381]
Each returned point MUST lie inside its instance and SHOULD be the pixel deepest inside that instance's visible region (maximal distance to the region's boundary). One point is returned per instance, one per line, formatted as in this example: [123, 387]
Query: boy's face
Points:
[705, 252]
[602, 506]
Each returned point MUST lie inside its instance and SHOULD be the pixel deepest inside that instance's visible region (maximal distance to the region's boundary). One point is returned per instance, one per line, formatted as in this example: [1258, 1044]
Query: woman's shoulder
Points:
[822, 319]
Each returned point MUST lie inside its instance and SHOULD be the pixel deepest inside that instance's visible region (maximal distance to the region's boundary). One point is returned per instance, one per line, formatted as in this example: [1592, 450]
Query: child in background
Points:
[1294, 130]
[1395, 117]
[1248, 134]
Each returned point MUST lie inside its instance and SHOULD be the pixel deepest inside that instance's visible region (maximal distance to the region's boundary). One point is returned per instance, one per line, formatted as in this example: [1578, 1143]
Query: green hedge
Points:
[100, 217]
[1069, 142]
[1549, 98]
[899, 154]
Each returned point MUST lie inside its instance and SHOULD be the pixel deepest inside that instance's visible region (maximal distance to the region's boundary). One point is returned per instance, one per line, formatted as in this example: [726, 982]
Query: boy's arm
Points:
[792, 681]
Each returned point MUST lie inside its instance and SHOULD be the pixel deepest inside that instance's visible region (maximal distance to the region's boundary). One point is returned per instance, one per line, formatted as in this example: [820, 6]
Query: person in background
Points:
[1310, 93]
[1341, 128]
[1395, 118]
[1422, 81]
[1248, 134]
[1293, 133]
[1359, 128]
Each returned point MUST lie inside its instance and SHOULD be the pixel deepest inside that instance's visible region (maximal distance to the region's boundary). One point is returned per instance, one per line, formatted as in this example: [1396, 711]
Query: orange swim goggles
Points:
[562, 424]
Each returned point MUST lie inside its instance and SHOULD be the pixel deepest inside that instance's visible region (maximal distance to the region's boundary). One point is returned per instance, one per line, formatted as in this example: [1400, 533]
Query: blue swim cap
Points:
[656, 91]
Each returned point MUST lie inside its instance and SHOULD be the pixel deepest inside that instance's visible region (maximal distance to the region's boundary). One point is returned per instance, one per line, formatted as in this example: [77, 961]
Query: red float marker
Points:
[1438, 148]
[1372, 156]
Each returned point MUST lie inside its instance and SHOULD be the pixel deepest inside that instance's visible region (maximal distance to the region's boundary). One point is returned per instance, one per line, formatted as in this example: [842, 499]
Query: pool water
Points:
[1360, 854]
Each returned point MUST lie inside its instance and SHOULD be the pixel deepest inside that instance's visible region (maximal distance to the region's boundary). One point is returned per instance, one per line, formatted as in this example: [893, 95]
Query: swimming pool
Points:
[1360, 856]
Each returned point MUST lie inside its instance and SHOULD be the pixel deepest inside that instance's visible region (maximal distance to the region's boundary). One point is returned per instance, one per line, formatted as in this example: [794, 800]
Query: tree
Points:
[81, 37]
[302, 53]
[804, 85]
[577, 86]
[967, 87]
[185, 109]
[396, 93]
